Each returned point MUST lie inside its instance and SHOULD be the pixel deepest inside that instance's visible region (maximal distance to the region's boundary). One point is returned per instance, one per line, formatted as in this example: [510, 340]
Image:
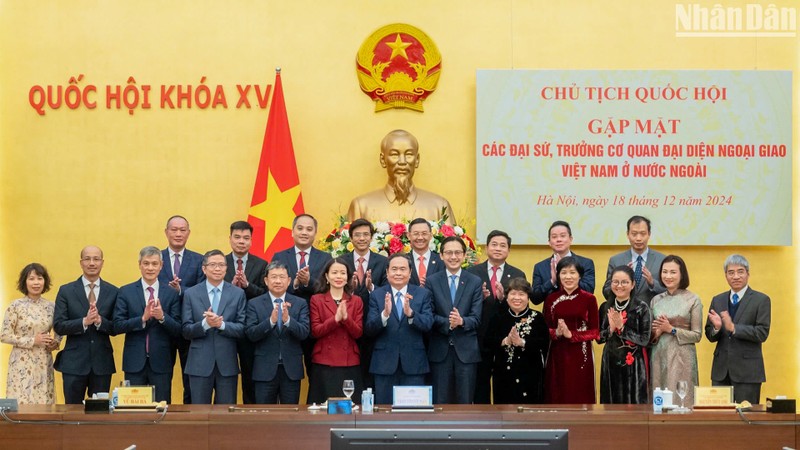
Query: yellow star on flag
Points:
[398, 47]
[276, 209]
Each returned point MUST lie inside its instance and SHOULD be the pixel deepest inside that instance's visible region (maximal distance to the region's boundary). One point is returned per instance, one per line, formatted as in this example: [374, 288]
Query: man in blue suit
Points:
[213, 319]
[181, 269]
[424, 261]
[149, 314]
[399, 316]
[84, 313]
[453, 348]
[277, 322]
[305, 264]
[544, 272]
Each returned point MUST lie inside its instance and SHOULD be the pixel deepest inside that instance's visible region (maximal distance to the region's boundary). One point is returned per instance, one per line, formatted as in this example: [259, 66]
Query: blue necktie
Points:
[280, 314]
[215, 300]
[398, 304]
[453, 288]
[637, 273]
[735, 299]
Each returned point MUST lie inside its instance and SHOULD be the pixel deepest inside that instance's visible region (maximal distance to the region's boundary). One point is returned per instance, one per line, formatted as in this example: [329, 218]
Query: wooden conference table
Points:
[617, 427]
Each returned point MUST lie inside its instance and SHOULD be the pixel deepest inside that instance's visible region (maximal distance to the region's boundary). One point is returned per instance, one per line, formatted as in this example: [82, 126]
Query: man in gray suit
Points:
[213, 319]
[645, 262]
[738, 321]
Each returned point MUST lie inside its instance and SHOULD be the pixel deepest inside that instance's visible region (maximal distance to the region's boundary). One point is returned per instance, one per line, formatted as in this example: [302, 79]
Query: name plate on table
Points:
[713, 397]
[135, 396]
[413, 398]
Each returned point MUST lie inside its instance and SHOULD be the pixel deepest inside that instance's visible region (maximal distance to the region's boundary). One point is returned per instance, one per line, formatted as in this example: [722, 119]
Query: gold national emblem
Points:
[398, 66]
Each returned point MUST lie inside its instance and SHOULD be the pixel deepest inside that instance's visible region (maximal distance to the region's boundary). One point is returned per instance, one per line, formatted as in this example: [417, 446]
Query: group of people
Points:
[405, 319]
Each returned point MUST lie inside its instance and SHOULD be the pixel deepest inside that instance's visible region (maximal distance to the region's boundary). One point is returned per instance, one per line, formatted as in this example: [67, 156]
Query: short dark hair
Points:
[495, 233]
[241, 225]
[569, 261]
[322, 285]
[38, 269]
[299, 216]
[398, 255]
[519, 284]
[211, 253]
[559, 223]
[417, 221]
[358, 223]
[626, 270]
[684, 283]
[639, 219]
[453, 239]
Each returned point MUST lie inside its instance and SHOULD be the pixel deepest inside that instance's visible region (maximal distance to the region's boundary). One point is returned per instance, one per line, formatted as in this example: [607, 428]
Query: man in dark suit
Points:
[149, 314]
[305, 264]
[495, 274]
[84, 313]
[400, 315]
[369, 273]
[246, 271]
[645, 262]
[424, 261]
[278, 323]
[544, 272]
[453, 348]
[181, 269]
[213, 320]
[738, 321]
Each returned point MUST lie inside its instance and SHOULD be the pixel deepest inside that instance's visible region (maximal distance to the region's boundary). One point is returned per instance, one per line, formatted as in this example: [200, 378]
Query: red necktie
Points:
[421, 270]
[493, 281]
[360, 270]
[147, 334]
[239, 266]
[302, 260]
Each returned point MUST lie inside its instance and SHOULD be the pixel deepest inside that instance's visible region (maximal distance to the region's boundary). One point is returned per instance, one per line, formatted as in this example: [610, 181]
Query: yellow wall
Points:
[105, 177]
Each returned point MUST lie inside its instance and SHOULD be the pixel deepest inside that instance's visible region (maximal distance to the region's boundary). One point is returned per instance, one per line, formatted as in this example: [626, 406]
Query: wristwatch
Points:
[674, 331]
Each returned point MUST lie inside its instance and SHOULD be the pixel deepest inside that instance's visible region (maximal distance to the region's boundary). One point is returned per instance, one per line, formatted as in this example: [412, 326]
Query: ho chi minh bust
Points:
[400, 199]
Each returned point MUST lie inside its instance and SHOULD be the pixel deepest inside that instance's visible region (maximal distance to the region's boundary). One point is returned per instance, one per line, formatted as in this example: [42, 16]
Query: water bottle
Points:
[367, 401]
[114, 399]
[667, 394]
[658, 400]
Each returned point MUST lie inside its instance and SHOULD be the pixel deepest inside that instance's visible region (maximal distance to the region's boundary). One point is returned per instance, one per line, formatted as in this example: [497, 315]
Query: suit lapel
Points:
[330, 305]
[743, 304]
[80, 292]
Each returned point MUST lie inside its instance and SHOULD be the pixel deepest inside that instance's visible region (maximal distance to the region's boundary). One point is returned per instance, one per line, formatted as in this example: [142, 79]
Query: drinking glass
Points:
[348, 387]
[682, 390]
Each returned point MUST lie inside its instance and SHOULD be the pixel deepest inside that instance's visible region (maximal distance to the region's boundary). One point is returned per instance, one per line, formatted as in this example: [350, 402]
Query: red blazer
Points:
[336, 342]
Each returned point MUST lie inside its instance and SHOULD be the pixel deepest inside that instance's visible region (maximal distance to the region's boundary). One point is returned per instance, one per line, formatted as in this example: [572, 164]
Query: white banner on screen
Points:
[706, 155]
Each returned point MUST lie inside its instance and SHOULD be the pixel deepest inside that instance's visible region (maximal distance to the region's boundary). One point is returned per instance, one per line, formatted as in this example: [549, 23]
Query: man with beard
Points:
[400, 198]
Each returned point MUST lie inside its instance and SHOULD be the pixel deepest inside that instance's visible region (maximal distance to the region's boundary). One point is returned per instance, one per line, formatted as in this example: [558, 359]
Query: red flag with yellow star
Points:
[276, 194]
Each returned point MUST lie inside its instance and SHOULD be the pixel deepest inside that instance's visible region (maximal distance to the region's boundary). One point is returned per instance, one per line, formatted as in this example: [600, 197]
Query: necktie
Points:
[421, 270]
[92, 297]
[302, 260]
[637, 273]
[360, 270]
[215, 300]
[147, 335]
[453, 288]
[239, 265]
[279, 323]
[176, 266]
[493, 281]
[398, 305]
[735, 299]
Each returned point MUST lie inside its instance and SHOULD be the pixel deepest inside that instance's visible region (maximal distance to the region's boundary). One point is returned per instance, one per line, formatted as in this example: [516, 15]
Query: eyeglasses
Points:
[280, 277]
[620, 283]
[216, 265]
[453, 253]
